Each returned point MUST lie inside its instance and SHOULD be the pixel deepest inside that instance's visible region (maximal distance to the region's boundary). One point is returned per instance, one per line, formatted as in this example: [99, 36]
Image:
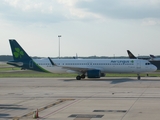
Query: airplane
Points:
[153, 60]
[152, 57]
[131, 56]
[92, 68]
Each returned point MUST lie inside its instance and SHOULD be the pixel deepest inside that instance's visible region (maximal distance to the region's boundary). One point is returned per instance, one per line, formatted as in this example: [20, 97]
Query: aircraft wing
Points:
[77, 69]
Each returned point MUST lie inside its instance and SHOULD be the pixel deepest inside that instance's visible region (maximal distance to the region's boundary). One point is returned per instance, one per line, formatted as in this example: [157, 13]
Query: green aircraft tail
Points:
[22, 59]
[18, 53]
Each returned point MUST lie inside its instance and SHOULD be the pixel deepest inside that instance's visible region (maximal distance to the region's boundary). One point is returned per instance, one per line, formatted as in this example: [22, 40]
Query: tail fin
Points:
[152, 56]
[18, 53]
[21, 58]
[131, 56]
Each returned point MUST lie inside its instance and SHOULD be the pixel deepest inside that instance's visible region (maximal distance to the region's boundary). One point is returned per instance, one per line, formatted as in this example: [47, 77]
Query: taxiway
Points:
[90, 99]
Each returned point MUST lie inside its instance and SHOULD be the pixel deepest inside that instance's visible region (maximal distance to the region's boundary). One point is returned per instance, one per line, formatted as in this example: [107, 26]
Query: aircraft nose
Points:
[154, 68]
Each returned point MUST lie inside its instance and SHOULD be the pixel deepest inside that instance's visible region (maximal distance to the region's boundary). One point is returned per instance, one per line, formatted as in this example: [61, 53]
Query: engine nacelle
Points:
[94, 74]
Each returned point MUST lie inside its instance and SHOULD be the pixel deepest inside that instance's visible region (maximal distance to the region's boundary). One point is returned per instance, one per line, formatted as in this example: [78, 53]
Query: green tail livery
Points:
[21, 58]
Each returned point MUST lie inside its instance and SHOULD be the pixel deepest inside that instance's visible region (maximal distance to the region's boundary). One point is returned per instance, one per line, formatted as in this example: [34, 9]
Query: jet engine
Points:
[94, 73]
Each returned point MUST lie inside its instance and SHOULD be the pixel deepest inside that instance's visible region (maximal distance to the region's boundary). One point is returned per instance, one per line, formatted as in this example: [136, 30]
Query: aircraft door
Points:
[138, 64]
[30, 64]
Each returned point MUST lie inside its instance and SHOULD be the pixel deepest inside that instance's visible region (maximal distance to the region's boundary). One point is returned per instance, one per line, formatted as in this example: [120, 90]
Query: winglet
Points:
[51, 61]
[131, 56]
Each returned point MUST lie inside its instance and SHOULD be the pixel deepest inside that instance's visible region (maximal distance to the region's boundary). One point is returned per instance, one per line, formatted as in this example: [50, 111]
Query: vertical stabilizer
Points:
[18, 53]
[131, 56]
[152, 56]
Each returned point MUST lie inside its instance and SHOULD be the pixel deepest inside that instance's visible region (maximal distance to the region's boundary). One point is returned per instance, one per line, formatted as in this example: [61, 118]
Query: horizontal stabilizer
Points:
[15, 63]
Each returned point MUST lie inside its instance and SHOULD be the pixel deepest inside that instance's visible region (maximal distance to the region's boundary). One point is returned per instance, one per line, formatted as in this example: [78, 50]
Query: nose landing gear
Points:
[138, 77]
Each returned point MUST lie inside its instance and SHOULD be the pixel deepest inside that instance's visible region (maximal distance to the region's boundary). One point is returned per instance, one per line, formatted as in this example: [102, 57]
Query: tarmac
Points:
[109, 98]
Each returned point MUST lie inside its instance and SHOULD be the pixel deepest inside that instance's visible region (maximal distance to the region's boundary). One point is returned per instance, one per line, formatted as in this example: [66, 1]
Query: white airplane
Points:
[154, 58]
[92, 68]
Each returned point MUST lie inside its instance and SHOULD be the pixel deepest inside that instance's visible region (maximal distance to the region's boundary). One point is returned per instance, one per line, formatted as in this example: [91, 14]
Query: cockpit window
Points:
[147, 63]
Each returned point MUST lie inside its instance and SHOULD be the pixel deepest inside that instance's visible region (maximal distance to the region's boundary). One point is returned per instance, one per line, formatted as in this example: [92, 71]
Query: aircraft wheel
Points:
[139, 77]
[78, 77]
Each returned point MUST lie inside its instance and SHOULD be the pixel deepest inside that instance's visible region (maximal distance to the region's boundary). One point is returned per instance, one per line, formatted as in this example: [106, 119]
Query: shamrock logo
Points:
[18, 53]
[132, 61]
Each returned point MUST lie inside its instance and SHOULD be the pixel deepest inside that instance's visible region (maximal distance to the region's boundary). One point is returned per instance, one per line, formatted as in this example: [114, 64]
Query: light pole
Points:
[59, 44]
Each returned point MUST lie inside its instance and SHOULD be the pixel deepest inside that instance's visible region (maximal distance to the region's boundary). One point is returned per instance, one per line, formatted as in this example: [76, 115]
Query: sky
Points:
[87, 27]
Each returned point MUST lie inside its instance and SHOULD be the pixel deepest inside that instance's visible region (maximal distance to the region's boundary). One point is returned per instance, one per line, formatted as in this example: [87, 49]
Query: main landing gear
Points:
[138, 77]
[80, 76]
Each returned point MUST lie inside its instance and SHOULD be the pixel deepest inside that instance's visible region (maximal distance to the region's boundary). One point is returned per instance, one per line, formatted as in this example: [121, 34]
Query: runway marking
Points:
[43, 108]
[58, 109]
[86, 116]
[136, 101]
[123, 111]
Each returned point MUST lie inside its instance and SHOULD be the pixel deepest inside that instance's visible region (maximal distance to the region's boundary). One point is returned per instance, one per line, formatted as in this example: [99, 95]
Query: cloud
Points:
[150, 22]
[123, 9]
[44, 11]
[48, 11]
[53, 11]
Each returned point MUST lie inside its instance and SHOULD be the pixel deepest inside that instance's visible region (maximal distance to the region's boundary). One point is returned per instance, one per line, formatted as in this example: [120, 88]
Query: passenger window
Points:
[147, 63]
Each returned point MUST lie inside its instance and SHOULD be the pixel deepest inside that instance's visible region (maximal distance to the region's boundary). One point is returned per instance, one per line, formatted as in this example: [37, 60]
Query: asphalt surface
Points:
[89, 99]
